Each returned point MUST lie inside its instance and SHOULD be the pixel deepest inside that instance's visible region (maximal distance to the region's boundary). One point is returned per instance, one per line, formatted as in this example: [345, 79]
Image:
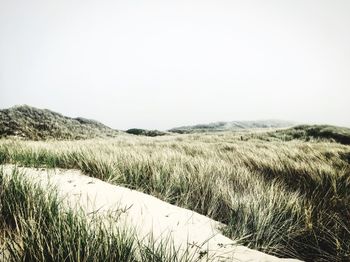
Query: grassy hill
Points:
[41, 124]
[231, 126]
[316, 132]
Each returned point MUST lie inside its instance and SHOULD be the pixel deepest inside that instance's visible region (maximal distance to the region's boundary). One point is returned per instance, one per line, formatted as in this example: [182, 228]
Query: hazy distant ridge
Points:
[233, 125]
[40, 124]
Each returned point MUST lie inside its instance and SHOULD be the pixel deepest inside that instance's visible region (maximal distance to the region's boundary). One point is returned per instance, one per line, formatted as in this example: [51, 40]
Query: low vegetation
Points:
[279, 193]
[144, 132]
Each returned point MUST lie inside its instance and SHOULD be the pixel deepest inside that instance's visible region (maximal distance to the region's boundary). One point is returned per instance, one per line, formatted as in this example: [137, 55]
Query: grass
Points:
[36, 227]
[286, 197]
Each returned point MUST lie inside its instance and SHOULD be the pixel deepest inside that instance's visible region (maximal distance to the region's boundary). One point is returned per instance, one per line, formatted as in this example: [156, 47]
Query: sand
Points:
[149, 217]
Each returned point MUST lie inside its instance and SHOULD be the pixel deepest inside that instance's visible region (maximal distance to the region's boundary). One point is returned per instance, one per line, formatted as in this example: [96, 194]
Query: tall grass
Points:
[288, 198]
[36, 227]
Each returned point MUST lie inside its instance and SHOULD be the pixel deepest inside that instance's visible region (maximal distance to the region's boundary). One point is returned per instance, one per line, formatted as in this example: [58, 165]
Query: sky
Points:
[161, 64]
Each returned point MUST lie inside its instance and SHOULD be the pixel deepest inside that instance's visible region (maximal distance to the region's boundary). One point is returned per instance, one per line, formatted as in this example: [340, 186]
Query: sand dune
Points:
[150, 217]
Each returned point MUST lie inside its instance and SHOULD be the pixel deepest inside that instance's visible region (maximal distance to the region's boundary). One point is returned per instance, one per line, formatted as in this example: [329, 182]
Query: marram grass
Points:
[286, 198]
[35, 227]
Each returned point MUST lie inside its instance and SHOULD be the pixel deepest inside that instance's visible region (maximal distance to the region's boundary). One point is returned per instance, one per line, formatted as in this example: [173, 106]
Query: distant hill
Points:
[319, 132]
[39, 124]
[231, 126]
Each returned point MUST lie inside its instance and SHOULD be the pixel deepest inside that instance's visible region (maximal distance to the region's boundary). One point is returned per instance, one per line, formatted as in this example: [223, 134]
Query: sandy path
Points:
[149, 216]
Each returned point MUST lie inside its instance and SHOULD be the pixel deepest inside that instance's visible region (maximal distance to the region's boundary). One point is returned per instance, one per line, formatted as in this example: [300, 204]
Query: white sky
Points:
[161, 64]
